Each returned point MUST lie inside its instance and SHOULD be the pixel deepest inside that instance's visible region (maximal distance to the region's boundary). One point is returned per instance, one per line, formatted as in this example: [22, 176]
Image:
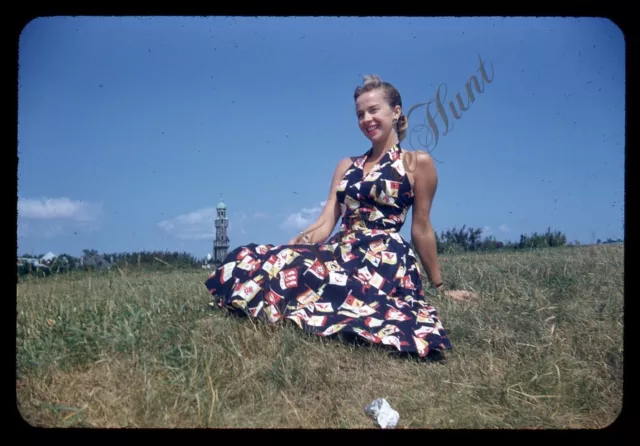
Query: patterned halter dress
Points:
[363, 281]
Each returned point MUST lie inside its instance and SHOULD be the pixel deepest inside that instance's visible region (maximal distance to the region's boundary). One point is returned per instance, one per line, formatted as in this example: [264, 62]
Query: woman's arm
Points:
[321, 229]
[422, 233]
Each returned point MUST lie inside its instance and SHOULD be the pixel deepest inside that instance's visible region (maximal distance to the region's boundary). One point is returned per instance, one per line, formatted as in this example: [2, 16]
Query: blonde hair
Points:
[391, 94]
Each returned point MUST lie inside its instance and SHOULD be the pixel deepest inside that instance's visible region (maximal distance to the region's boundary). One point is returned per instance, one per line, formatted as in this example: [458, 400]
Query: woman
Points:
[365, 279]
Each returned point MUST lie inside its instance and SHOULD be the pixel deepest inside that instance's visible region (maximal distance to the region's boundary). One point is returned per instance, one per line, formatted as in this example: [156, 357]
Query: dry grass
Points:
[542, 349]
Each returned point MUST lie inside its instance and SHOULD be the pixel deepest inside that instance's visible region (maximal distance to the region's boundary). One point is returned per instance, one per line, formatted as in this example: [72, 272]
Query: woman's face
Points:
[375, 117]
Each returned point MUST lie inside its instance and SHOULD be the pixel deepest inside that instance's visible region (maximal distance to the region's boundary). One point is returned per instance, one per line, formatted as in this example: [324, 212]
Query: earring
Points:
[395, 121]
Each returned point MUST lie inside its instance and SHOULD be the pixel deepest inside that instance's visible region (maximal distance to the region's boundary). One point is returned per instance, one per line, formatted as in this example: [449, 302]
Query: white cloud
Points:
[309, 211]
[296, 222]
[196, 225]
[302, 219]
[240, 218]
[200, 224]
[52, 217]
[58, 208]
[503, 228]
[486, 230]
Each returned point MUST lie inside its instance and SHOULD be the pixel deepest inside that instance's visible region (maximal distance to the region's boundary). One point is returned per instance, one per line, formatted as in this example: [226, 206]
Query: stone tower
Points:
[221, 243]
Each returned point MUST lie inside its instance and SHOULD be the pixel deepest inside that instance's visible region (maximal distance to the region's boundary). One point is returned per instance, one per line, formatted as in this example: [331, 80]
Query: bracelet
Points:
[438, 285]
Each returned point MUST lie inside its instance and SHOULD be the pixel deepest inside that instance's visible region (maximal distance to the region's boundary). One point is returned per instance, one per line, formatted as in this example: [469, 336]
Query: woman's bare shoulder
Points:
[346, 162]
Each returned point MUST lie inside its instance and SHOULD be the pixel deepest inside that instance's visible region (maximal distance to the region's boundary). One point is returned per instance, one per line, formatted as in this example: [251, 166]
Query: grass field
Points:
[542, 348]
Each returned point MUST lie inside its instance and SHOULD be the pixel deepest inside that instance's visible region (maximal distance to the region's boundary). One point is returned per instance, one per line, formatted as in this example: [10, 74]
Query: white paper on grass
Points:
[382, 413]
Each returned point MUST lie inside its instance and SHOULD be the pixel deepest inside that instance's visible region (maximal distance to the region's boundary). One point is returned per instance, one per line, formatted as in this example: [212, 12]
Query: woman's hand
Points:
[300, 239]
[460, 295]
[457, 295]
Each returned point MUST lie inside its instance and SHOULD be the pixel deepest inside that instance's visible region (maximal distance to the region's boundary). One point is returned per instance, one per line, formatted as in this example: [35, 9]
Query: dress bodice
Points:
[378, 201]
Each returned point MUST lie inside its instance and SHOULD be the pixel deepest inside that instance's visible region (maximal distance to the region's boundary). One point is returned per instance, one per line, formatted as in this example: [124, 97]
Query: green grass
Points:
[542, 348]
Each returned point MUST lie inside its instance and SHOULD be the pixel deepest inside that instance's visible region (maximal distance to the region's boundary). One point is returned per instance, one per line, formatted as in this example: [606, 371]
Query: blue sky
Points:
[131, 129]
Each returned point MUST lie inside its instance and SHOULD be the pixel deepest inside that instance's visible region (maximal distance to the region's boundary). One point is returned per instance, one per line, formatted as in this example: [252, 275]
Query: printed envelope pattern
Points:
[364, 280]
